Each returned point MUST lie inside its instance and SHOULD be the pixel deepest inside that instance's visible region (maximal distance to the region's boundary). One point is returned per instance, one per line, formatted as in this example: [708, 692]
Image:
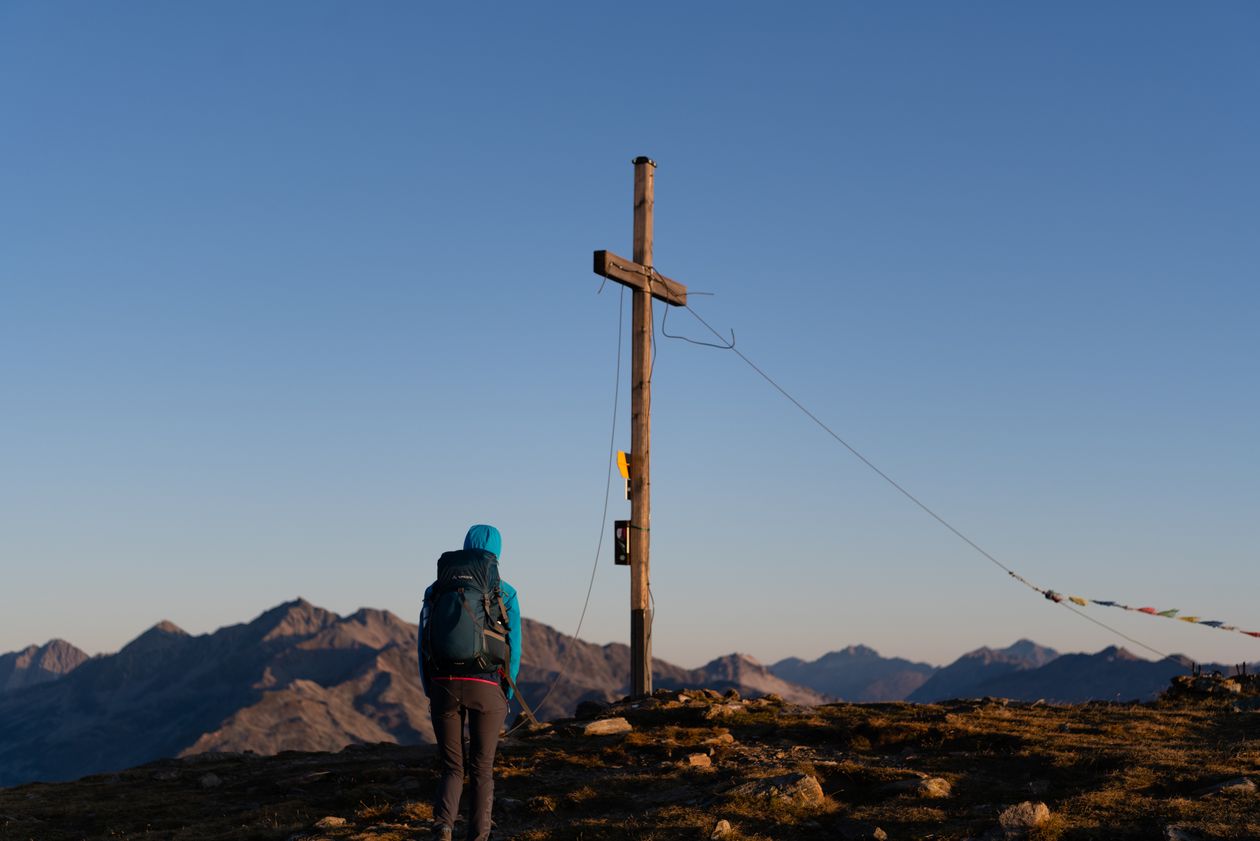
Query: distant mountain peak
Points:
[855, 673]
[1116, 652]
[39, 664]
[297, 618]
[1030, 652]
[159, 637]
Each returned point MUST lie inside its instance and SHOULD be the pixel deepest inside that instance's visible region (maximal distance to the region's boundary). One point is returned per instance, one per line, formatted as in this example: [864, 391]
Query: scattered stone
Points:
[1018, 820]
[720, 739]
[589, 709]
[1237, 785]
[852, 830]
[928, 787]
[699, 760]
[772, 699]
[210, 780]
[722, 710]
[732, 694]
[1177, 833]
[721, 829]
[607, 727]
[711, 694]
[1214, 685]
[330, 822]
[799, 789]
[165, 775]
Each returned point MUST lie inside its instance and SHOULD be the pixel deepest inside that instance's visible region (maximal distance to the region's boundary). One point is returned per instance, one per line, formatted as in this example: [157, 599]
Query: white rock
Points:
[607, 727]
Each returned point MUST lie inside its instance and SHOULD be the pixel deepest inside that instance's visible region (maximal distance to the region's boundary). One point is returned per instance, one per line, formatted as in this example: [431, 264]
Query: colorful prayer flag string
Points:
[1171, 613]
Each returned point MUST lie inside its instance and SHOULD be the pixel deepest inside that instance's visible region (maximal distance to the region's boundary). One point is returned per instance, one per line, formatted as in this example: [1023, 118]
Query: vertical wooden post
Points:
[640, 437]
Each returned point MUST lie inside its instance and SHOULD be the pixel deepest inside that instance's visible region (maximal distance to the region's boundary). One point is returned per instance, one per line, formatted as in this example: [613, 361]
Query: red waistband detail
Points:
[477, 679]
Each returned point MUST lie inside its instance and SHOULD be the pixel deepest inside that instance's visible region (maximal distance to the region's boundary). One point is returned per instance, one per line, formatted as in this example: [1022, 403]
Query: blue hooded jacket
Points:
[488, 539]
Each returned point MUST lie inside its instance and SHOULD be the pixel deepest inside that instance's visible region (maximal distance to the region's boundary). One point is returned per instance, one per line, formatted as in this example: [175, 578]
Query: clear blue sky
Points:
[291, 293]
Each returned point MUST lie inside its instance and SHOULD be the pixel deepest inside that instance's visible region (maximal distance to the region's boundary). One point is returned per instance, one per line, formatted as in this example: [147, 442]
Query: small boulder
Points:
[721, 829]
[607, 727]
[732, 694]
[210, 780]
[853, 830]
[722, 710]
[720, 739]
[1237, 785]
[1018, 820]
[699, 760]
[799, 789]
[1177, 833]
[927, 787]
[330, 822]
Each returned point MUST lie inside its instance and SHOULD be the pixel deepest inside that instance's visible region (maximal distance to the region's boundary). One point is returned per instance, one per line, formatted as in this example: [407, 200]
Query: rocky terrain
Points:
[297, 677]
[698, 764]
[37, 664]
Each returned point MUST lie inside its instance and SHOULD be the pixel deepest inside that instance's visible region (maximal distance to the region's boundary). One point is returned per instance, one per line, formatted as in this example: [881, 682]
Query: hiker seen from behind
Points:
[470, 654]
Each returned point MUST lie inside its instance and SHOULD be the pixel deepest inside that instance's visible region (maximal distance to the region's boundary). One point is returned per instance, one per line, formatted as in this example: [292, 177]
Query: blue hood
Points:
[484, 537]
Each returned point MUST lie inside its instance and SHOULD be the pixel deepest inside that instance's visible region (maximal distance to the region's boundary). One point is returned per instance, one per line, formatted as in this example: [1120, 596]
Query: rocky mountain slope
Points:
[298, 677]
[856, 673]
[966, 676]
[1113, 674]
[697, 765]
[745, 674]
[38, 664]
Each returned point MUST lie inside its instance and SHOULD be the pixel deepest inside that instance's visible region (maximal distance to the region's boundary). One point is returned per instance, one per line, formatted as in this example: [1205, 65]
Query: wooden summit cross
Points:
[646, 283]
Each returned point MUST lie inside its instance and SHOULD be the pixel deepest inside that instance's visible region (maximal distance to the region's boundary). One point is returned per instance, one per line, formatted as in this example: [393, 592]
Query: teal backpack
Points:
[468, 624]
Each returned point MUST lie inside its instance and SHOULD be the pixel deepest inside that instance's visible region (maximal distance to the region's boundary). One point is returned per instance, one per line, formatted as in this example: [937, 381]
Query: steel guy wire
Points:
[1012, 573]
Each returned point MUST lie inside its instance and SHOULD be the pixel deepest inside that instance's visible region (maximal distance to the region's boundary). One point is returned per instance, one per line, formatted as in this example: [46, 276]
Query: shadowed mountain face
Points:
[856, 673]
[963, 677]
[743, 673]
[38, 664]
[1113, 674]
[298, 677]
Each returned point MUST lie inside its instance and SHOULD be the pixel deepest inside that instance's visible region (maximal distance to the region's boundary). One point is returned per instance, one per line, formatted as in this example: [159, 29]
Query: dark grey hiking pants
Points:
[484, 708]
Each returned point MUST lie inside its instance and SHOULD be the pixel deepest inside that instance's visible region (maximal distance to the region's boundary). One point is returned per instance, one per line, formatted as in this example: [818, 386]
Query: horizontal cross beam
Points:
[630, 273]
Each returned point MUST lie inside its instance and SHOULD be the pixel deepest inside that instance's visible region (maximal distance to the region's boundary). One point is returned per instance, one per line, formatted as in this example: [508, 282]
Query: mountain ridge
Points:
[296, 677]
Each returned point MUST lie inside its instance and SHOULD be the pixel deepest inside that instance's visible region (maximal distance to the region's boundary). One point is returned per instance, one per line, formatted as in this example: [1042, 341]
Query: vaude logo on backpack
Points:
[467, 629]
